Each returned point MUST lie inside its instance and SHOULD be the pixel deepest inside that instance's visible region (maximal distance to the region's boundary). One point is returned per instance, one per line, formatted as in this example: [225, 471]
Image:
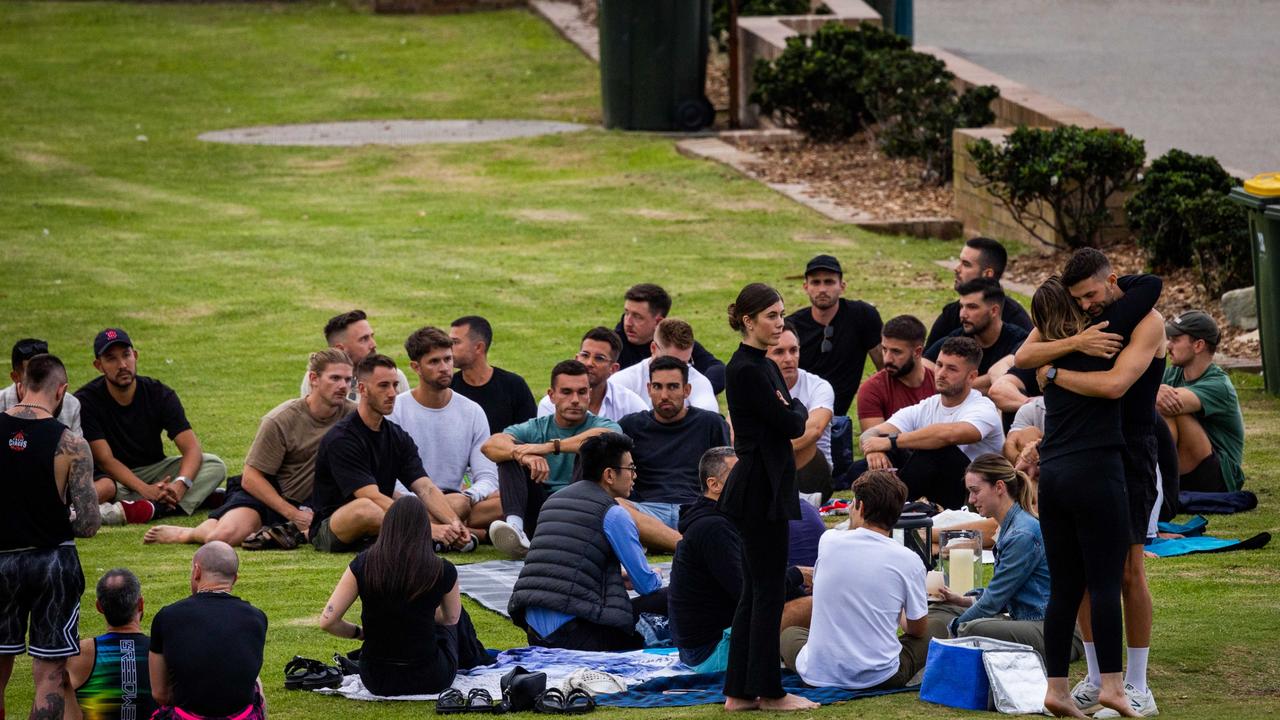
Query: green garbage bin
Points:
[653, 64]
[1261, 196]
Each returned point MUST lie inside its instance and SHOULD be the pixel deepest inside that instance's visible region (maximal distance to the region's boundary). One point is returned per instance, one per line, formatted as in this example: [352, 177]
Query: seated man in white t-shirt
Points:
[1022, 444]
[674, 337]
[449, 430]
[865, 587]
[599, 351]
[813, 448]
[932, 442]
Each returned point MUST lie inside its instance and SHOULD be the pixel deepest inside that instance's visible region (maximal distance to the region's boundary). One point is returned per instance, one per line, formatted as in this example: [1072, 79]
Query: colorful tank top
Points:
[119, 688]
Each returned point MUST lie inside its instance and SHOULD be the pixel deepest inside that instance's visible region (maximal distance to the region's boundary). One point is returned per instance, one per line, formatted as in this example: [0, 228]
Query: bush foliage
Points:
[1182, 218]
[841, 80]
[720, 13]
[1059, 178]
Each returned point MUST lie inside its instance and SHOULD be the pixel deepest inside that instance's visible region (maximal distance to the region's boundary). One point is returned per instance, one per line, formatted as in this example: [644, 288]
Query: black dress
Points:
[760, 495]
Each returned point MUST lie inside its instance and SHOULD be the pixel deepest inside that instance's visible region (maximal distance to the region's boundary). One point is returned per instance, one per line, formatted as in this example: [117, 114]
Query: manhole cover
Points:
[390, 132]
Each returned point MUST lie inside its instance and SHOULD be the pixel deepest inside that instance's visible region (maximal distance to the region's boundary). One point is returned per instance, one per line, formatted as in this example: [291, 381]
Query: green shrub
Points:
[720, 13]
[840, 80]
[912, 98]
[816, 83]
[1156, 210]
[1059, 178]
[1220, 245]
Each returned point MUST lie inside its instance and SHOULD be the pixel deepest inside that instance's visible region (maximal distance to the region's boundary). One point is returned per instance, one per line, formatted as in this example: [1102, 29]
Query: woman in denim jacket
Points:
[1012, 605]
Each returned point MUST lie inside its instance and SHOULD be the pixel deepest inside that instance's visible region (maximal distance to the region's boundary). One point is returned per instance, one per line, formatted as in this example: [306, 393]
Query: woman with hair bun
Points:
[760, 495]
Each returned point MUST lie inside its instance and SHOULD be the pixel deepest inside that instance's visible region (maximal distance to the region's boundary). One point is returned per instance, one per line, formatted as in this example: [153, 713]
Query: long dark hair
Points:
[403, 563]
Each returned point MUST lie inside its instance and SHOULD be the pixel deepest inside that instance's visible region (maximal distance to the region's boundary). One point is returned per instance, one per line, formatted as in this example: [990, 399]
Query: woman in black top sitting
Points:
[414, 624]
[760, 495]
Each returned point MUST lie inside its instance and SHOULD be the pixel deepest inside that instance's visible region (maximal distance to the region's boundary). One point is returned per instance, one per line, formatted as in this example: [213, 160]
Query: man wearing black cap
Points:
[68, 413]
[123, 415]
[836, 335]
[1201, 407]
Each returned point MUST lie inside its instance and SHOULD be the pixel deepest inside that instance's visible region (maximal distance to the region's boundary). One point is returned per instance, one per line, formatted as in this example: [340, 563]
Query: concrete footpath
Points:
[1200, 75]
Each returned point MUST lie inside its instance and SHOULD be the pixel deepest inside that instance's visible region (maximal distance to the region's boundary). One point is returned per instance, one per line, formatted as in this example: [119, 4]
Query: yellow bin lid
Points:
[1264, 185]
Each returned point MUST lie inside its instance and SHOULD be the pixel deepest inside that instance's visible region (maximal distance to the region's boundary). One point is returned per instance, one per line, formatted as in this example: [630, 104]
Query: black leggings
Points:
[753, 669]
[1084, 516]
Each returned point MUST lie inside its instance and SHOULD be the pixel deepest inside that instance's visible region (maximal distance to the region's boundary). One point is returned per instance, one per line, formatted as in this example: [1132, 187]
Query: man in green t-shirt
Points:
[1200, 405]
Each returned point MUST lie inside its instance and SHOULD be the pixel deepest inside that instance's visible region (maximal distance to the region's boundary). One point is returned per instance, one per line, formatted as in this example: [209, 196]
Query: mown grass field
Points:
[223, 263]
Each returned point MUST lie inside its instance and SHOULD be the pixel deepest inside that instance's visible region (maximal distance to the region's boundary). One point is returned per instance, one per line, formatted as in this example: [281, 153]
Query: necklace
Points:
[33, 405]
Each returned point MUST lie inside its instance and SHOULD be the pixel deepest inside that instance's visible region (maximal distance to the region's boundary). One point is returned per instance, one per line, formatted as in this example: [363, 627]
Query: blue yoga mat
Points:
[1195, 526]
[707, 688]
[1205, 544]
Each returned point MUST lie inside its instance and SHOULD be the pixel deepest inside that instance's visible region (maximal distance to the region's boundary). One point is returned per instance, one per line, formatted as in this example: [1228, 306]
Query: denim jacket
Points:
[1020, 583]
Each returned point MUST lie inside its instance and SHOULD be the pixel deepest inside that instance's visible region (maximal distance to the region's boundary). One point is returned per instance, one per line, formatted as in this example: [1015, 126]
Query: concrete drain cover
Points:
[390, 132]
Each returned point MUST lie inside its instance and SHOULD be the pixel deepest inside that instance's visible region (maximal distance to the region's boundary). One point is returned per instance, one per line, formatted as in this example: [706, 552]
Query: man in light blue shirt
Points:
[572, 592]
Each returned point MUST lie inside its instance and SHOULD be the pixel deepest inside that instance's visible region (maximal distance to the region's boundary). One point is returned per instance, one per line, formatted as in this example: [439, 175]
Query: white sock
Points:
[1136, 673]
[516, 522]
[1091, 659]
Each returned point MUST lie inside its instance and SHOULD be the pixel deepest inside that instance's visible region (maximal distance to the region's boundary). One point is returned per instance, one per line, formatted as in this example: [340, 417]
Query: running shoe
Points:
[1143, 703]
[112, 513]
[1085, 694]
[509, 539]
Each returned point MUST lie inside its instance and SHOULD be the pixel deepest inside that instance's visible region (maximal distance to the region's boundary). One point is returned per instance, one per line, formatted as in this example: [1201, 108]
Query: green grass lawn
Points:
[223, 263]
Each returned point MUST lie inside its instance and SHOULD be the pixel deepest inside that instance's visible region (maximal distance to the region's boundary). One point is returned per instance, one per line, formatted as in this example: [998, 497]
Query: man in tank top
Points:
[110, 678]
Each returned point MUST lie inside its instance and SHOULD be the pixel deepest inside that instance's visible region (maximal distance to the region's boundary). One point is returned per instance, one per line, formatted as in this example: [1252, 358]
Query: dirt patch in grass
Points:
[1182, 291]
[856, 175]
[665, 215]
[548, 216]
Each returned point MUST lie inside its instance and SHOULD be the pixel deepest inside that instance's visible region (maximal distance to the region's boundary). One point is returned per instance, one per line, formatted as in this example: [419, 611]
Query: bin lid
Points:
[1264, 185]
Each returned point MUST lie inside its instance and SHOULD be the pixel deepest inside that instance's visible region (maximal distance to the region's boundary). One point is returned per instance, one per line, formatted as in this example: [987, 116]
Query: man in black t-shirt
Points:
[504, 395]
[643, 307]
[206, 650]
[123, 414]
[669, 441]
[836, 335]
[979, 258]
[359, 462]
[981, 305]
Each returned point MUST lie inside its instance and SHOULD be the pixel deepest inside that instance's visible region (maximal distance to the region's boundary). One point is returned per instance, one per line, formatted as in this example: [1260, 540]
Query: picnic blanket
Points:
[708, 688]
[490, 583]
[1173, 547]
[633, 667]
[1191, 528]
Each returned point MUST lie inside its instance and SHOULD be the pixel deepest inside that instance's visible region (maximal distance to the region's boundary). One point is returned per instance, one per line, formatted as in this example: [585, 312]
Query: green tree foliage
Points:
[746, 8]
[1059, 178]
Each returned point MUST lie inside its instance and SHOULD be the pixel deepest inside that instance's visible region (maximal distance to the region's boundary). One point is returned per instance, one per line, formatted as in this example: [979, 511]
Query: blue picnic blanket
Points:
[1191, 528]
[1205, 544]
[708, 688]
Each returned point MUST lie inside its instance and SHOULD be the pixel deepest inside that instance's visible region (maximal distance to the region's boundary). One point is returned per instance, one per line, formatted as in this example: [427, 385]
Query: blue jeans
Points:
[666, 513]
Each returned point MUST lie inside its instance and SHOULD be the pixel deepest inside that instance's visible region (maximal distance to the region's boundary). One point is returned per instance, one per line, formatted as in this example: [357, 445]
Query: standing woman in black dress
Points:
[760, 495]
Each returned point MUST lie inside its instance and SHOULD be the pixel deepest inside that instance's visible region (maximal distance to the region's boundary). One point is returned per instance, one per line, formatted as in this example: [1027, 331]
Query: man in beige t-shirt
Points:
[279, 470]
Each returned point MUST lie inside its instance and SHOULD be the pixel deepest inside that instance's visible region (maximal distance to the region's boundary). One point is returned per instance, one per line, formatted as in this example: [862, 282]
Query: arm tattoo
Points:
[80, 484]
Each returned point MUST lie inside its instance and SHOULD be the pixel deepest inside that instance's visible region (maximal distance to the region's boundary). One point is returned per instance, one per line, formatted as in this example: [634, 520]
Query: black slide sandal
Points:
[479, 701]
[307, 674]
[451, 701]
[578, 701]
[550, 702]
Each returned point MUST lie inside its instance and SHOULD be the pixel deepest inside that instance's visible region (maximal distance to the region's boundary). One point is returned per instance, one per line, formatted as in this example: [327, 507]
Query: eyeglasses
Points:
[632, 468]
[827, 332]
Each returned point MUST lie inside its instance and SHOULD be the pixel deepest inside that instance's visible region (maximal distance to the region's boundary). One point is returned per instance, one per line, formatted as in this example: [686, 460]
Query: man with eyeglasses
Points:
[572, 591]
[68, 413]
[836, 334]
[610, 400]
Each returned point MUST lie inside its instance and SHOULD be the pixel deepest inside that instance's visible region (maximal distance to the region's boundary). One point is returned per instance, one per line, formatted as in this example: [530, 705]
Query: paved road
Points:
[1203, 76]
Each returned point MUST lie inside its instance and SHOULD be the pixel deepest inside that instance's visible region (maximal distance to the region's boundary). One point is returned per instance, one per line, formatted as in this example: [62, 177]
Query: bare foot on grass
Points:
[733, 704]
[1117, 701]
[1062, 706]
[166, 535]
[787, 702]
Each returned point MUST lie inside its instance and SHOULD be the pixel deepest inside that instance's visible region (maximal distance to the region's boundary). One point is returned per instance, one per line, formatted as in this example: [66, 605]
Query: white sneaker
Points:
[509, 539]
[813, 498]
[1085, 694]
[112, 513]
[1143, 703]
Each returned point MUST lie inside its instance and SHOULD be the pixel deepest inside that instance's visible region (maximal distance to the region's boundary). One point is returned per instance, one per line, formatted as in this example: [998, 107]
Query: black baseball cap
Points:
[109, 337]
[823, 262]
[27, 348]
[1196, 323]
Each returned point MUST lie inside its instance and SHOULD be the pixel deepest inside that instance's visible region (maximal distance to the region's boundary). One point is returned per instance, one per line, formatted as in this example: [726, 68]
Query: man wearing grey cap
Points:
[1201, 407]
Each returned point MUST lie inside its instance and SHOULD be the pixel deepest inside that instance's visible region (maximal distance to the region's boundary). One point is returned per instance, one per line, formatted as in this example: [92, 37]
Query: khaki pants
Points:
[212, 473]
[910, 659]
[1000, 627]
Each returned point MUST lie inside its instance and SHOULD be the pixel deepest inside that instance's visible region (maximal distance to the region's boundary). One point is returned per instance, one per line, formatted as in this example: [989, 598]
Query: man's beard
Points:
[906, 368]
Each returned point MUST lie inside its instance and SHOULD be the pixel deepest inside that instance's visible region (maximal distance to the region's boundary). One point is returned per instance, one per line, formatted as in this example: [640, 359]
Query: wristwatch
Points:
[184, 480]
[893, 441]
[1050, 375]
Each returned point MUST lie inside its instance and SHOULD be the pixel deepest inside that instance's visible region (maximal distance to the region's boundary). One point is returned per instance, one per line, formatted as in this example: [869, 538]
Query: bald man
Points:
[206, 650]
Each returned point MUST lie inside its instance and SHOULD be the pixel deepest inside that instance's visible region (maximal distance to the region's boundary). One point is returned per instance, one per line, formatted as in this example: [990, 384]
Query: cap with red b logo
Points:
[109, 337]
